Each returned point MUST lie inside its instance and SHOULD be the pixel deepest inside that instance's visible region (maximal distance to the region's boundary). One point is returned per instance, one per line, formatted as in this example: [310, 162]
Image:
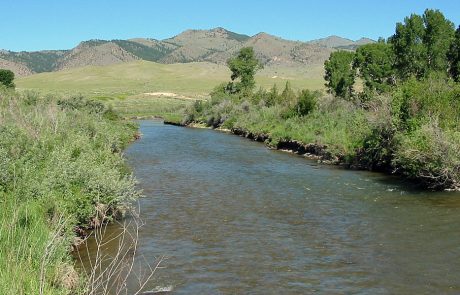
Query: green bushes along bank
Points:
[60, 163]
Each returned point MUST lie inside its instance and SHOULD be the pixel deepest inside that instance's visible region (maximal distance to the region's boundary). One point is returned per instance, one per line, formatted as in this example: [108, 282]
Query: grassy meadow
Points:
[190, 79]
[128, 87]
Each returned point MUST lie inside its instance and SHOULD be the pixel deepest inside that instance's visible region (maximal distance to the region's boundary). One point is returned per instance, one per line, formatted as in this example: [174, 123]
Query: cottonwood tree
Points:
[340, 74]
[375, 63]
[421, 44]
[454, 57]
[243, 67]
[410, 52]
[439, 34]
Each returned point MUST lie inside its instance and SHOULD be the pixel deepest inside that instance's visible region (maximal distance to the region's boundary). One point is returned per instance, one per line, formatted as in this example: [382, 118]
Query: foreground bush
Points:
[59, 162]
[426, 119]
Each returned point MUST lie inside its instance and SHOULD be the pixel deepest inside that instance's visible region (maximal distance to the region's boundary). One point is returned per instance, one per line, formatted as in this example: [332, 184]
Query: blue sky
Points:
[54, 24]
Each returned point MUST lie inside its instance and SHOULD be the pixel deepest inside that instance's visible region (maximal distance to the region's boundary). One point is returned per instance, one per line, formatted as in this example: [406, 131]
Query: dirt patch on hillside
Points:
[168, 94]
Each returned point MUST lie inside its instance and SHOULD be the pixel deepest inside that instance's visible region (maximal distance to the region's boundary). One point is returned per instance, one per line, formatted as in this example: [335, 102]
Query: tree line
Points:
[422, 45]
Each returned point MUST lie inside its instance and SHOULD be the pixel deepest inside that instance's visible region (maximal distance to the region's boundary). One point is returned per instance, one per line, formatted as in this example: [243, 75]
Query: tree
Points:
[410, 52]
[340, 75]
[6, 78]
[375, 63]
[306, 102]
[439, 34]
[288, 96]
[272, 97]
[422, 43]
[454, 57]
[243, 67]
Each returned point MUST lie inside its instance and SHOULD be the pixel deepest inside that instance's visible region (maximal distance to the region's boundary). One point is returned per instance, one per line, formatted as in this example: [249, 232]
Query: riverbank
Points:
[411, 132]
[61, 169]
[311, 151]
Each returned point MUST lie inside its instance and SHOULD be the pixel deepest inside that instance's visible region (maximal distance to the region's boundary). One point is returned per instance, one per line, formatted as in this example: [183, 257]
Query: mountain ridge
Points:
[214, 45]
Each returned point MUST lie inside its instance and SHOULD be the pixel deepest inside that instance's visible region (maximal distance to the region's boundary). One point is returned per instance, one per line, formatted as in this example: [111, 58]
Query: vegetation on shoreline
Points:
[405, 120]
[148, 106]
[60, 167]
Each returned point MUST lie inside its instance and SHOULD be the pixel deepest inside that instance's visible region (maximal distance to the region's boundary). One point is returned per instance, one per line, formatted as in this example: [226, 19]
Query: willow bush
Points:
[60, 160]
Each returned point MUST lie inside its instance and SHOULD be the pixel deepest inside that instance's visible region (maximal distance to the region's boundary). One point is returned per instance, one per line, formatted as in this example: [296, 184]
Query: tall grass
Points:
[60, 160]
[121, 271]
[145, 106]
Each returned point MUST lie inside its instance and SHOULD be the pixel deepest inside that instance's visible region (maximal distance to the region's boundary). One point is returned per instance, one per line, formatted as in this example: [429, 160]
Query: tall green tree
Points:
[288, 95]
[454, 57]
[7, 78]
[306, 102]
[340, 74]
[410, 52]
[439, 34]
[375, 63]
[243, 67]
[273, 96]
[421, 44]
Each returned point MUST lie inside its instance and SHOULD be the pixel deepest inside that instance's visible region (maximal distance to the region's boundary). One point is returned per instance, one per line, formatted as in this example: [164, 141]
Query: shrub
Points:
[7, 78]
[59, 162]
[430, 154]
[82, 104]
[415, 100]
[306, 102]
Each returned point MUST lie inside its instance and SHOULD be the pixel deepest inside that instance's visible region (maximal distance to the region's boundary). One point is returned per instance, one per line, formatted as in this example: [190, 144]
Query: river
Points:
[233, 217]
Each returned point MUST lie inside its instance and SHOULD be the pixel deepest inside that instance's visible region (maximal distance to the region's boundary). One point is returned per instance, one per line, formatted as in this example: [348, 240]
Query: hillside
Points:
[214, 46]
[201, 45]
[18, 68]
[333, 42]
[195, 79]
[336, 42]
[96, 54]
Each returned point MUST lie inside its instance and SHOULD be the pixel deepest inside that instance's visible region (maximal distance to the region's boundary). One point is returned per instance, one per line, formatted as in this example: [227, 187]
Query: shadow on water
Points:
[234, 217]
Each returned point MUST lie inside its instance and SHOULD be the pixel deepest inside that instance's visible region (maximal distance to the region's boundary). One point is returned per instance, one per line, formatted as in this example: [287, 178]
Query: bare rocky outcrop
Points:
[18, 69]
